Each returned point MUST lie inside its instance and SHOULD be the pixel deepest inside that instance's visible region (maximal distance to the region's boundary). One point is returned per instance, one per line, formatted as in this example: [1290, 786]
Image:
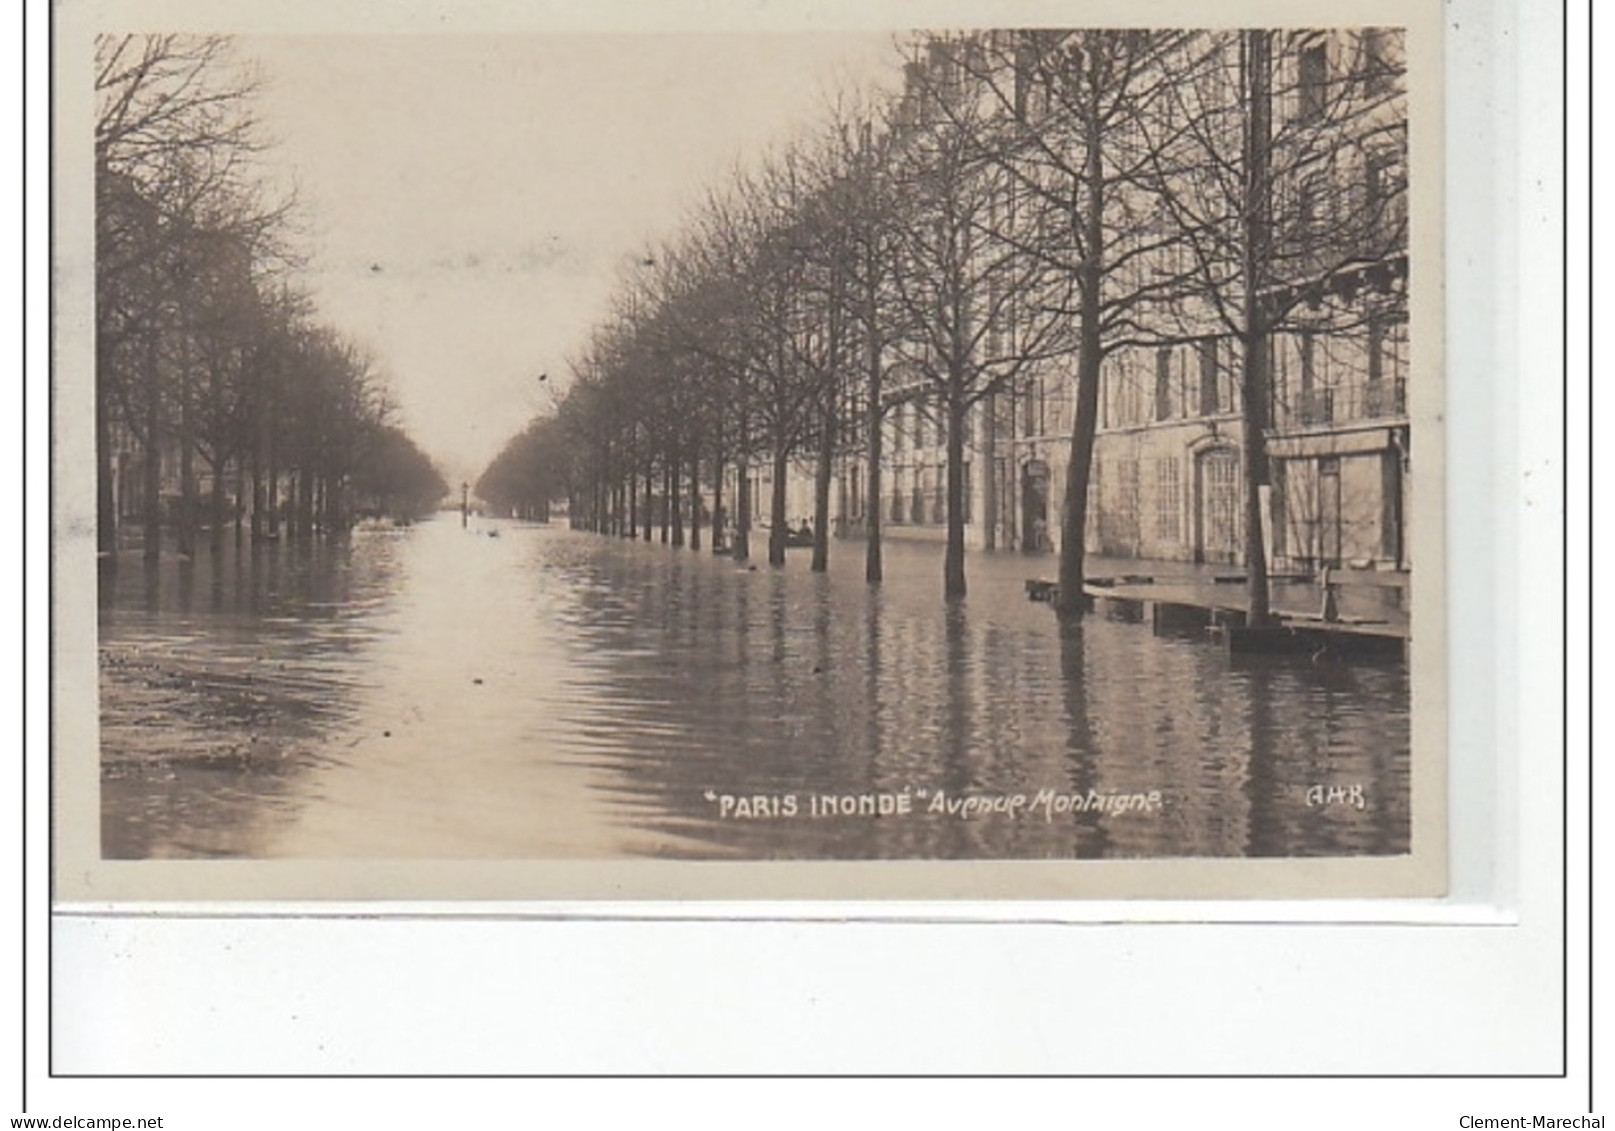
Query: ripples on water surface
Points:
[515, 691]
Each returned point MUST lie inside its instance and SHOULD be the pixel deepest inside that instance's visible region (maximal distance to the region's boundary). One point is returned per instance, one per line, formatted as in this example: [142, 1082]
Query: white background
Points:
[500, 995]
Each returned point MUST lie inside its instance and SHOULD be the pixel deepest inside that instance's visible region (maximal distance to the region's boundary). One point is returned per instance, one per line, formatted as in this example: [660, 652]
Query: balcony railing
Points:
[1344, 404]
[1385, 398]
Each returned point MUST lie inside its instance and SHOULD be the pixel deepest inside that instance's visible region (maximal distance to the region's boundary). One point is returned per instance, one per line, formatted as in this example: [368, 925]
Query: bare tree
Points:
[1283, 166]
[795, 344]
[175, 142]
[979, 310]
[859, 221]
[1064, 120]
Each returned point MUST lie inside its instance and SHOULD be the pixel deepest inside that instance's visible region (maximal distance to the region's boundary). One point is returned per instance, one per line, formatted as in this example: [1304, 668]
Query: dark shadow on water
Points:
[1088, 837]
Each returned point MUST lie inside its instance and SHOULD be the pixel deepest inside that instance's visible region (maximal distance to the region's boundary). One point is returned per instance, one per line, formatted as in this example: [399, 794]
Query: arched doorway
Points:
[1216, 525]
[1034, 506]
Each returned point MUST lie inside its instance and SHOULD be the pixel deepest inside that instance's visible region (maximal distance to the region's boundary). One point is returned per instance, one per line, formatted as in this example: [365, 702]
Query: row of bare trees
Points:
[529, 473]
[1031, 202]
[209, 367]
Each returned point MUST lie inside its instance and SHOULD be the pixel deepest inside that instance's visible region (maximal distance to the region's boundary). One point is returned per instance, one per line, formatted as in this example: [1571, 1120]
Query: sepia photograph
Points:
[899, 463]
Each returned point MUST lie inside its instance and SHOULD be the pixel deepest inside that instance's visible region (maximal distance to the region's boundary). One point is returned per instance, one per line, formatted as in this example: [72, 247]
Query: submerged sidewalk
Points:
[1364, 602]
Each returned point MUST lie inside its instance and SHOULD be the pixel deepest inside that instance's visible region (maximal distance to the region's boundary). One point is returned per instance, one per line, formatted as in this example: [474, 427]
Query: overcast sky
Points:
[470, 200]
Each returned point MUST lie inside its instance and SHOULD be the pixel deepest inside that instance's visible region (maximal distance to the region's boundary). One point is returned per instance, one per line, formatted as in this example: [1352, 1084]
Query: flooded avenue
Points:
[514, 691]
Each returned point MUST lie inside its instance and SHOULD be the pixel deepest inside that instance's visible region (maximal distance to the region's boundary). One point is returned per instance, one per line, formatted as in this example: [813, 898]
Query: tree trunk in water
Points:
[776, 512]
[1253, 369]
[106, 515]
[106, 518]
[216, 505]
[256, 528]
[1253, 434]
[241, 493]
[305, 504]
[272, 498]
[989, 473]
[695, 503]
[293, 493]
[649, 511]
[873, 567]
[720, 529]
[953, 563]
[821, 495]
[742, 524]
[600, 506]
[632, 489]
[153, 470]
[294, 480]
[187, 477]
[1071, 601]
[334, 509]
[675, 501]
[667, 502]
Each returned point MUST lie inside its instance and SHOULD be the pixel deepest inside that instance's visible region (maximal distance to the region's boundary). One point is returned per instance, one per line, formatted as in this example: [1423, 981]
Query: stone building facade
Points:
[1168, 474]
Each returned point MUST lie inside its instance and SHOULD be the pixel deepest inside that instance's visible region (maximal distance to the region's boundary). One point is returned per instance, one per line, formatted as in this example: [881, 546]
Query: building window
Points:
[1035, 418]
[1128, 500]
[1376, 169]
[1309, 207]
[1313, 81]
[1385, 394]
[1393, 347]
[1026, 63]
[1168, 499]
[1209, 405]
[1093, 531]
[1281, 508]
[1054, 411]
[1377, 66]
[1163, 383]
[1129, 395]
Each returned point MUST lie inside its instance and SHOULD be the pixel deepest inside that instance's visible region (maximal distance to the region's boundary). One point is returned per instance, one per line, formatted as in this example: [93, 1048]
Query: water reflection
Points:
[512, 691]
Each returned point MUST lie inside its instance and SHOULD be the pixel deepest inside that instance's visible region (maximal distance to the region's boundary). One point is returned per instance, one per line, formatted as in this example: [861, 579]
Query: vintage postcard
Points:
[515, 454]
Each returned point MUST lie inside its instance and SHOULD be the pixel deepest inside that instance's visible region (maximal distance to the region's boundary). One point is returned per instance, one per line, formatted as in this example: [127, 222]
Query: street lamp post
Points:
[465, 504]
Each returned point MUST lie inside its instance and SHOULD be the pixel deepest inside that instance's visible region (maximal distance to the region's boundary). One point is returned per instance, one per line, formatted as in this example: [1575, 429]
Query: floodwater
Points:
[513, 691]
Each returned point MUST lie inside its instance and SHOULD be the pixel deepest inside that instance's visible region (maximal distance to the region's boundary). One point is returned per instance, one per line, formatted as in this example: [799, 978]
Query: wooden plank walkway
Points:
[1376, 626]
[1232, 601]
